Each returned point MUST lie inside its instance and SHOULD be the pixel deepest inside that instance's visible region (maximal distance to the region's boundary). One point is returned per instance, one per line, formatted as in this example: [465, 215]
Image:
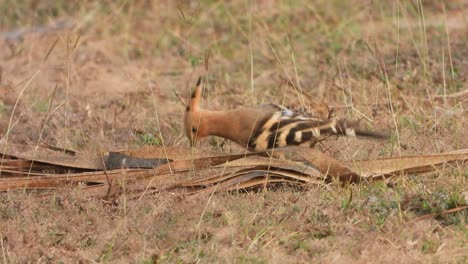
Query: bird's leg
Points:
[313, 142]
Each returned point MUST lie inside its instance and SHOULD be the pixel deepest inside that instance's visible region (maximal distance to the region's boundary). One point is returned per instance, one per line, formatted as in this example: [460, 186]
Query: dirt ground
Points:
[95, 76]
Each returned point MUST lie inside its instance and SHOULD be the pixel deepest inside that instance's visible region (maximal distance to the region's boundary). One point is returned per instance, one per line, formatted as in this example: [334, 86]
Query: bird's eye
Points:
[194, 130]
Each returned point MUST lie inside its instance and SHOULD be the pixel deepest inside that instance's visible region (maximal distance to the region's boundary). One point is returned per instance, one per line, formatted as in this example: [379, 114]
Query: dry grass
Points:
[116, 65]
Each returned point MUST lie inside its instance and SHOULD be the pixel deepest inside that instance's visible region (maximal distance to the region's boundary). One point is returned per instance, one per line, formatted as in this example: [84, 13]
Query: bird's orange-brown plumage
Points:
[265, 127]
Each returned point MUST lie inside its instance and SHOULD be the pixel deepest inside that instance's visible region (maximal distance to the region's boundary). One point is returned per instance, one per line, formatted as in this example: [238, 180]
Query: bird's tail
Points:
[351, 128]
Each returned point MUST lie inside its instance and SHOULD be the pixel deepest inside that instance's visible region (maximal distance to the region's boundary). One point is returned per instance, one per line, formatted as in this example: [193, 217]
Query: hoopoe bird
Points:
[265, 127]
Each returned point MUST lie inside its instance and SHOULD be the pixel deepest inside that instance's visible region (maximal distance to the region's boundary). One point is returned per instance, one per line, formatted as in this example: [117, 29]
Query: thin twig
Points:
[453, 210]
[157, 121]
[180, 10]
[296, 89]
[177, 94]
[109, 182]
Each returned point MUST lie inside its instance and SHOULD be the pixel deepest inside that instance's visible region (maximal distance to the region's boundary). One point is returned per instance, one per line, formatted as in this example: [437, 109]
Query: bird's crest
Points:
[192, 114]
[195, 97]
